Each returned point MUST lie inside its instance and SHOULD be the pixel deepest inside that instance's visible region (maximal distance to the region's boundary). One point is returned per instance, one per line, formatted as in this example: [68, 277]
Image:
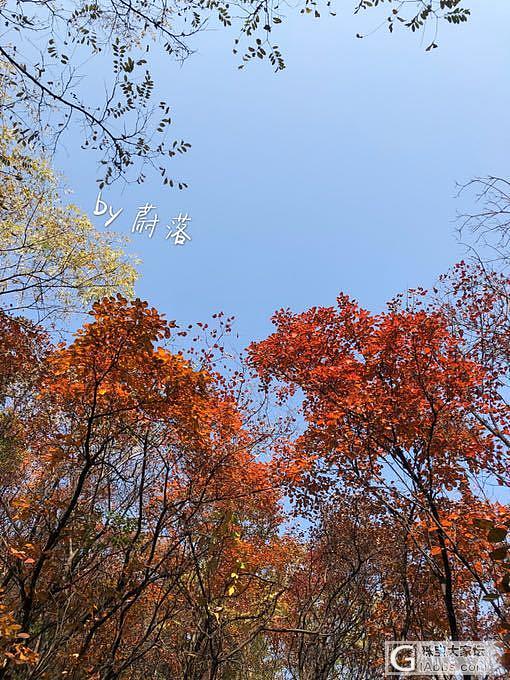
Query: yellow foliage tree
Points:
[52, 259]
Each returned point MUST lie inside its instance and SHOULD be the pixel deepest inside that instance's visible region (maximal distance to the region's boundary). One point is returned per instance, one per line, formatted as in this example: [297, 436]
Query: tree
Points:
[52, 259]
[22, 348]
[335, 585]
[488, 229]
[390, 403]
[141, 534]
[43, 53]
[474, 296]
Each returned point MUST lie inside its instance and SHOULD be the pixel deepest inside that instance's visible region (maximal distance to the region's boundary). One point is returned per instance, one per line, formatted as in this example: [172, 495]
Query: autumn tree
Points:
[366, 575]
[334, 587]
[52, 259]
[390, 404]
[141, 534]
[410, 408]
[22, 347]
[474, 295]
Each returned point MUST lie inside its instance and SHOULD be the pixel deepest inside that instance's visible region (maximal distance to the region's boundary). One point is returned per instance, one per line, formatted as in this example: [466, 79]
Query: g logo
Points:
[409, 659]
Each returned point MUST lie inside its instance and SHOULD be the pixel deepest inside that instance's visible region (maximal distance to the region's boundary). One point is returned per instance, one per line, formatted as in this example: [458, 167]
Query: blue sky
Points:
[337, 174]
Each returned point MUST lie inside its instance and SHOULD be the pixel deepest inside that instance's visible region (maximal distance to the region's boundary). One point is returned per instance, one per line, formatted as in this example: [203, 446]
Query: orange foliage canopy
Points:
[141, 498]
[378, 387]
[139, 511]
[392, 406]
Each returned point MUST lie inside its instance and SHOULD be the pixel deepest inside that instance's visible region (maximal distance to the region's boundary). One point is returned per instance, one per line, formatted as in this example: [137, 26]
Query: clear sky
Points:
[337, 174]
